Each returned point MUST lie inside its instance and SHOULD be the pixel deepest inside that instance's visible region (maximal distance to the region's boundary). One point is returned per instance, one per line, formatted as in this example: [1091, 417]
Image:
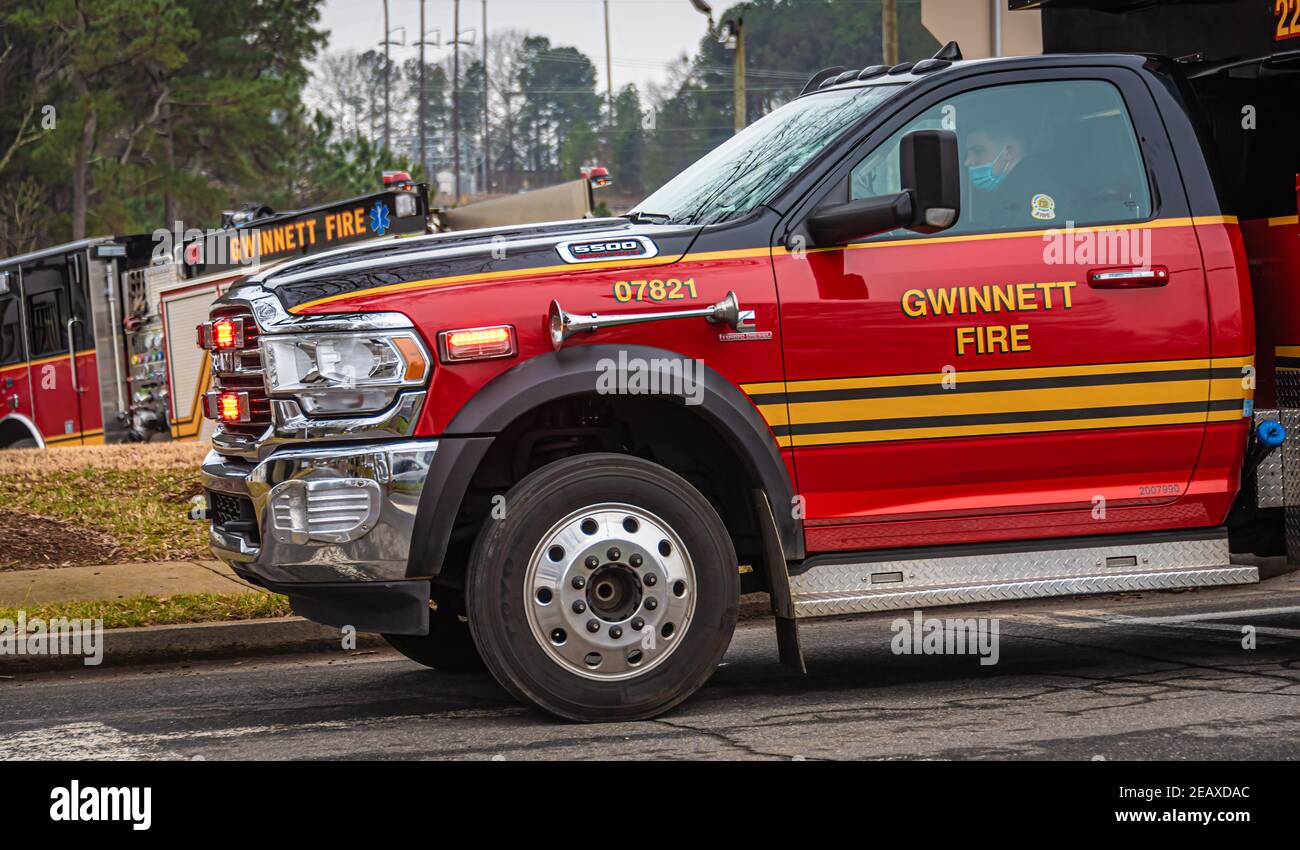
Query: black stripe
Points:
[1287, 362]
[1008, 418]
[936, 388]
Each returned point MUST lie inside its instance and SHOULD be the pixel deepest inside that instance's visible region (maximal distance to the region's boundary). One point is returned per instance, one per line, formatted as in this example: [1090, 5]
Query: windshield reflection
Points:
[747, 169]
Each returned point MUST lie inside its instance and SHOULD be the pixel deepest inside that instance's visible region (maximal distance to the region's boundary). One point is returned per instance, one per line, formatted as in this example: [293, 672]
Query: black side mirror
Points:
[930, 200]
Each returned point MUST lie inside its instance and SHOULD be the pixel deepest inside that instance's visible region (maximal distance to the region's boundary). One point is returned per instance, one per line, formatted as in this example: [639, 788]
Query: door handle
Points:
[1128, 277]
[72, 356]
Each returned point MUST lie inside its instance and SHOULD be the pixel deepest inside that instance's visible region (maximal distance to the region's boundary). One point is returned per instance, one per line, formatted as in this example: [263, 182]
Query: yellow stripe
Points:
[1283, 219]
[190, 425]
[1061, 399]
[479, 277]
[1286, 351]
[1010, 401]
[75, 436]
[1012, 428]
[45, 360]
[929, 378]
[1018, 234]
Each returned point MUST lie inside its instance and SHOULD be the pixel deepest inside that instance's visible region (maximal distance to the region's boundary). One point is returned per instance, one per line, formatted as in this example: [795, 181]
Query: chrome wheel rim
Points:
[610, 592]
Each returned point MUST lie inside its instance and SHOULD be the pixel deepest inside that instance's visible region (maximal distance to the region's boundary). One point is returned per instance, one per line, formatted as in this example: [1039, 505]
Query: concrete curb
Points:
[156, 644]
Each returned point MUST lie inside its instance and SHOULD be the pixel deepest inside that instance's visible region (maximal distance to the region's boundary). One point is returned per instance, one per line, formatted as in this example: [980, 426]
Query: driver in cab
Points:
[1013, 186]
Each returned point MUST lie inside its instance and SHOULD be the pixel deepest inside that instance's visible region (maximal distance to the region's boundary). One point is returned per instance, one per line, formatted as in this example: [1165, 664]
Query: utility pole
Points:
[386, 40]
[419, 111]
[995, 24]
[731, 35]
[740, 73]
[889, 31]
[609, 89]
[487, 139]
[455, 98]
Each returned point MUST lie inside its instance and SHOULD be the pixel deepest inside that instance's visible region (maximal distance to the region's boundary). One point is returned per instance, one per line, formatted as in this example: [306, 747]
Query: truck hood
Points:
[476, 256]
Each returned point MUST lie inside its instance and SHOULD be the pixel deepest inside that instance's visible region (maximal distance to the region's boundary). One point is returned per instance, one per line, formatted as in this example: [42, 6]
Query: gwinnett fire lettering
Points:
[989, 299]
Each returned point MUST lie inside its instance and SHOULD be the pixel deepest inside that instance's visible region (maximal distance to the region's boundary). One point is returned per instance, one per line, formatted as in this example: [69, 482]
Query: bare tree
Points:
[342, 87]
[20, 215]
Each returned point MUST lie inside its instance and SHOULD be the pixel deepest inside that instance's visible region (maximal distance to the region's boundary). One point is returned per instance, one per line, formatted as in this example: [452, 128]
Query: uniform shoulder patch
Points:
[1042, 207]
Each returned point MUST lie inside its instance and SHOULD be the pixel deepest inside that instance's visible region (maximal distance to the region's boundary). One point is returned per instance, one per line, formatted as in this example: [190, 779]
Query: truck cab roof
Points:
[908, 73]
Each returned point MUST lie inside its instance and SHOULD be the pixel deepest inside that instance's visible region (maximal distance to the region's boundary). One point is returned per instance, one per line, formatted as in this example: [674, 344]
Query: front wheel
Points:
[608, 591]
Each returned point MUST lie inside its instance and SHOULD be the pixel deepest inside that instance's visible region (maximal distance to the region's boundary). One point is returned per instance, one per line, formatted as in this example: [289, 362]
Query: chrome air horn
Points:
[727, 312]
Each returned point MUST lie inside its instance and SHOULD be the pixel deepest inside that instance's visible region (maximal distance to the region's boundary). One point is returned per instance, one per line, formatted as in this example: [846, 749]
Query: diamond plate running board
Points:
[830, 588]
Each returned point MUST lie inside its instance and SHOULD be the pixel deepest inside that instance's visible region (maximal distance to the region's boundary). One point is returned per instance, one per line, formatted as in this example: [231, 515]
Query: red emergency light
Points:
[226, 406]
[400, 180]
[221, 334]
[598, 176]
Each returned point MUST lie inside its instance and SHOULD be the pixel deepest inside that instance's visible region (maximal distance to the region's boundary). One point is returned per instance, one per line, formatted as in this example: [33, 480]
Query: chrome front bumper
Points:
[344, 513]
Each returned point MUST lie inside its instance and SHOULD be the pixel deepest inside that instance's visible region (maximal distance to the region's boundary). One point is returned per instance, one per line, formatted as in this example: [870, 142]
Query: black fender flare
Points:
[572, 372]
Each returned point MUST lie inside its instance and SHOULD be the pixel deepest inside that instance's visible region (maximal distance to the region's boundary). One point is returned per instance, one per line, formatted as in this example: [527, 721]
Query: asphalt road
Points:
[1149, 676]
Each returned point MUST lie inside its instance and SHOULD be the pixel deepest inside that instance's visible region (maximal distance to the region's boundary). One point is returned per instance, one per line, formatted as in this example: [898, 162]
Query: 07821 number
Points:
[672, 289]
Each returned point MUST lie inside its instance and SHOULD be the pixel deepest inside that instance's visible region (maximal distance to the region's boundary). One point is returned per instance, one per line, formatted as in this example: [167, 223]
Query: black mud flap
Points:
[387, 607]
[778, 583]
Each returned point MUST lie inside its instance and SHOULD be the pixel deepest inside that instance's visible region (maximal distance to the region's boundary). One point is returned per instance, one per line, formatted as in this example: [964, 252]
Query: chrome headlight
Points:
[342, 373]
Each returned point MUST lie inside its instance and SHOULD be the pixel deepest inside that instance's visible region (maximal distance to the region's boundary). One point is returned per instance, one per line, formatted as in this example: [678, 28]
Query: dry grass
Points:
[162, 610]
[134, 495]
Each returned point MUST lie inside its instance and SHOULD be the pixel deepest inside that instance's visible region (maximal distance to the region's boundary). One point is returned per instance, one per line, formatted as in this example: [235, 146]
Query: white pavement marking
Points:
[76, 741]
[1267, 631]
[94, 740]
[1205, 615]
[327, 725]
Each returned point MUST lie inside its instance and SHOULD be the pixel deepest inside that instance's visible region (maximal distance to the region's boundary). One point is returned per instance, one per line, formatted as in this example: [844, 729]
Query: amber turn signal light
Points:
[487, 343]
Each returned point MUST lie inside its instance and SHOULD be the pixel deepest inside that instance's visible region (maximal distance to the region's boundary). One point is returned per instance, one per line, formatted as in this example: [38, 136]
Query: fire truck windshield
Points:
[747, 169]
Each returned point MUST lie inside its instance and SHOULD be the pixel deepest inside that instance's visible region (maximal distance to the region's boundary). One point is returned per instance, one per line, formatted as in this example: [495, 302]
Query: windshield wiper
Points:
[648, 218]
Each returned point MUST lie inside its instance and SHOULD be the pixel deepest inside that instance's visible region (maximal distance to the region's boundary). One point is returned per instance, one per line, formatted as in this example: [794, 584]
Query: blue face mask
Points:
[982, 176]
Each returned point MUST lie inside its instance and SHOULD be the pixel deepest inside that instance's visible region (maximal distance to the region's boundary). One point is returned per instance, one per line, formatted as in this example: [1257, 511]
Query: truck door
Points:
[15, 387]
[1044, 360]
[61, 356]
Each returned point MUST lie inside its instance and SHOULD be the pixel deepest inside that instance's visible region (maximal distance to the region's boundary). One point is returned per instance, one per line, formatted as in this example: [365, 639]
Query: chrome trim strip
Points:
[290, 424]
[271, 317]
[847, 588]
[827, 604]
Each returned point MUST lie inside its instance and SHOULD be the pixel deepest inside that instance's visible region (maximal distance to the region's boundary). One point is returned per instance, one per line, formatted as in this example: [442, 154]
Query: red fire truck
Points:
[938, 333]
[96, 336]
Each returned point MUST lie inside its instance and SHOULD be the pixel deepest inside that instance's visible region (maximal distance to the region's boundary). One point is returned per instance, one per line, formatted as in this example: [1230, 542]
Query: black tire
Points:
[498, 596]
[26, 443]
[447, 647]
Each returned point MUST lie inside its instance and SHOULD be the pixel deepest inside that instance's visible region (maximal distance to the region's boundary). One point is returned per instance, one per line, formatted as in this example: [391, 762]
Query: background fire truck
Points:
[97, 336]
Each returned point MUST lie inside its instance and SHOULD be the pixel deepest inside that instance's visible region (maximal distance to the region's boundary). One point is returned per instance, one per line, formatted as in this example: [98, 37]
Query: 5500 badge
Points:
[618, 248]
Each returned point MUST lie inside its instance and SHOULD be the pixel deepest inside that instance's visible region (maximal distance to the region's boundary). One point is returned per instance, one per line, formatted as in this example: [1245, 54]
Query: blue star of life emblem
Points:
[379, 221]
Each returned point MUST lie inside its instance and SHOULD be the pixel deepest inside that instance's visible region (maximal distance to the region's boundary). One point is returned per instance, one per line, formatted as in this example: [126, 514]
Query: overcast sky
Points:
[646, 35]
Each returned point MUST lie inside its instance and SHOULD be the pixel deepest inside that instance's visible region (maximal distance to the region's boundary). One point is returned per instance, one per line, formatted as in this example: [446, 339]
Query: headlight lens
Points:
[333, 374]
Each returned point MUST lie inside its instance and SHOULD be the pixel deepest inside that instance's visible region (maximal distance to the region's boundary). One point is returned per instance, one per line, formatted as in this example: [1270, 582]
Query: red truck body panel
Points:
[835, 316]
